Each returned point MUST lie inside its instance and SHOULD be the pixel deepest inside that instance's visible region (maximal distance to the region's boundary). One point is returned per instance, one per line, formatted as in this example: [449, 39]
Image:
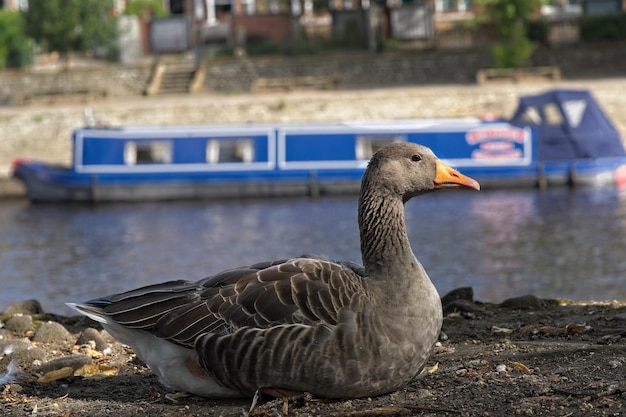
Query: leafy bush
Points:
[510, 19]
[15, 47]
[72, 25]
[145, 9]
[515, 53]
[598, 27]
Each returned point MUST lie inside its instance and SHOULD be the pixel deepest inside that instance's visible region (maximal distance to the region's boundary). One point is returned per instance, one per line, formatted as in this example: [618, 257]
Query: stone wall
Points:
[356, 69]
[19, 88]
[352, 69]
[593, 60]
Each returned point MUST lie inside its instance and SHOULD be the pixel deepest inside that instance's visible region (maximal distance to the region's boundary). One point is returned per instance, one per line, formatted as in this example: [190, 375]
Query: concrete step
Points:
[176, 79]
[173, 78]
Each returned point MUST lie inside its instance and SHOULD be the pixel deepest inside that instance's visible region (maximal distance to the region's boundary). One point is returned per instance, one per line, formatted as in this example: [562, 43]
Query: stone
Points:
[24, 355]
[20, 324]
[74, 361]
[461, 306]
[23, 307]
[463, 293]
[91, 334]
[52, 332]
[524, 302]
[8, 346]
[6, 335]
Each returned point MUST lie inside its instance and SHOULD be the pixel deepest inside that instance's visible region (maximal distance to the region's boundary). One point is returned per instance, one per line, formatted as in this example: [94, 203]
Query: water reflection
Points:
[557, 243]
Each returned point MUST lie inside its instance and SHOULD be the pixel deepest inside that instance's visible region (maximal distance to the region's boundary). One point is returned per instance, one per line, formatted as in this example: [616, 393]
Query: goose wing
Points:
[305, 290]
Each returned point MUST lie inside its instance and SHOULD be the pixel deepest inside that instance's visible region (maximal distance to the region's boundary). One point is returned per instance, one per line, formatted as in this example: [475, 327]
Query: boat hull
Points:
[43, 187]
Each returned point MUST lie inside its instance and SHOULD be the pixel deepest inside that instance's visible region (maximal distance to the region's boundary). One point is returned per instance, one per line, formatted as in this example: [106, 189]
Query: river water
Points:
[568, 243]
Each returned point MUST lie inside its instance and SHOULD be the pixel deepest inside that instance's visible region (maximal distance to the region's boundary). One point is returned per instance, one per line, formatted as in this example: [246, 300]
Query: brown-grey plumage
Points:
[305, 324]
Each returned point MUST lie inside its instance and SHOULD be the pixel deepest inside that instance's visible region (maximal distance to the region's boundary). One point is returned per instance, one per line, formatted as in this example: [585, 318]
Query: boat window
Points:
[229, 150]
[531, 116]
[366, 146]
[552, 114]
[574, 110]
[148, 152]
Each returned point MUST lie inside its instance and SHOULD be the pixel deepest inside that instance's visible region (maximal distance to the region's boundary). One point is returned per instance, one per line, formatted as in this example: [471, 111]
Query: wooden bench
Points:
[516, 75]
[294, 83]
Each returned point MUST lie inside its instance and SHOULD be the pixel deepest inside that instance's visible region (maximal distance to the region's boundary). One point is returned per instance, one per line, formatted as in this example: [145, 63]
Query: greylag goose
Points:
[307, 324]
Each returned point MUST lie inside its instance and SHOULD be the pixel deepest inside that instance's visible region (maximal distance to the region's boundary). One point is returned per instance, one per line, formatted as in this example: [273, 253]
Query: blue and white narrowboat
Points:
[557, 138]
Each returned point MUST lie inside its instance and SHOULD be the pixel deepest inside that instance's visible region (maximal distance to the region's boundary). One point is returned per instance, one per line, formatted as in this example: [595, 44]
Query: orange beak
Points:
[451, 178]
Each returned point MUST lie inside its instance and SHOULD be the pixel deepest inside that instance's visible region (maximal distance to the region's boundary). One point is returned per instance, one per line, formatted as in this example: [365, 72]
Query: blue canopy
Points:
[570, 125]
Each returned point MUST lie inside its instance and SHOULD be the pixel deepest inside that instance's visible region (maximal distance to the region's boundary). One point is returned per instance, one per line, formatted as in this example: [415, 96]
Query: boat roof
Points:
[570, 125]
[435, 124]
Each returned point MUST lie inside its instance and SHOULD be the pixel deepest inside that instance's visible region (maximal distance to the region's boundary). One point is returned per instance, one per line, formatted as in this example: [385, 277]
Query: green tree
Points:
[15, 47]
[72, 25]
[145, 9]
[97, 27]
[510, 20]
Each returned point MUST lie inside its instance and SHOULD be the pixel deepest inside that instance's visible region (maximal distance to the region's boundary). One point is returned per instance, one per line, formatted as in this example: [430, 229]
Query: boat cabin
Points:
[297, 148]
[570, 125]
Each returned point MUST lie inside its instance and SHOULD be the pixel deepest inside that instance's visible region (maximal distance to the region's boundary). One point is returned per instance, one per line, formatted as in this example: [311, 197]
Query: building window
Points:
[148, 152]
[229, 150]
[453, 6]
[366, 146]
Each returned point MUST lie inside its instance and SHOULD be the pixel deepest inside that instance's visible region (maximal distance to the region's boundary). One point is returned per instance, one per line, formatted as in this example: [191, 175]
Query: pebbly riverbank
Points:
[42, 130]
[524, 356]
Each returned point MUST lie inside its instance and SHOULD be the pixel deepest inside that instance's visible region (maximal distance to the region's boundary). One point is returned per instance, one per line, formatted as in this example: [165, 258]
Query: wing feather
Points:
[301, 290]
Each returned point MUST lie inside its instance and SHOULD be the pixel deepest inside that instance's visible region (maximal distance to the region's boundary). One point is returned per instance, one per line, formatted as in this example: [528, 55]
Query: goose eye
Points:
[416, 158]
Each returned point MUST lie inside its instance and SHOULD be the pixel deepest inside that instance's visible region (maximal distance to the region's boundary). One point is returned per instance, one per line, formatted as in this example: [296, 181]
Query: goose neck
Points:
[384, 241]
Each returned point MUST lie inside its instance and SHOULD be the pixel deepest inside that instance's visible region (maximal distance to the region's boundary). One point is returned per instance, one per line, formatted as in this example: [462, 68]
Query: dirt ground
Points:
[526, 356]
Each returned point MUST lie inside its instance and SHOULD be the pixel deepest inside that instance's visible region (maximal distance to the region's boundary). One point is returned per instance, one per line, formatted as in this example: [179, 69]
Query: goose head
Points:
[406, 170]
